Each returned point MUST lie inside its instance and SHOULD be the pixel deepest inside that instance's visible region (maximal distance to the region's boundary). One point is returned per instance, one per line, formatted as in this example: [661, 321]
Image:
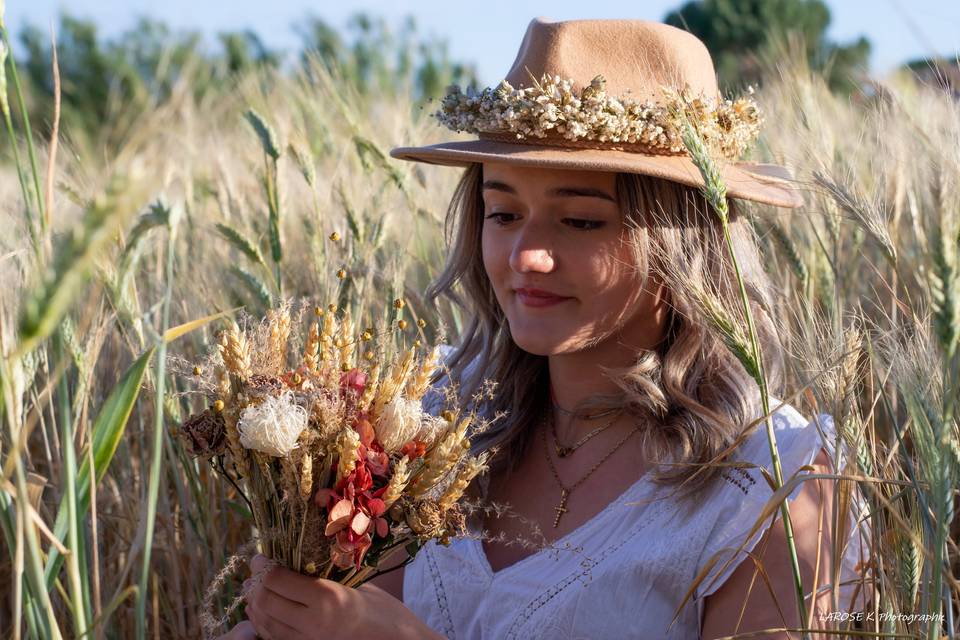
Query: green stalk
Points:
[70, 497]
[271, 176]
[715, 191]
[26, 125]
[768, 422]
[942, 489]
[272, 152]
[11, 134]
[36, 597]
[33, 556]
[939, 547]
[156, 463]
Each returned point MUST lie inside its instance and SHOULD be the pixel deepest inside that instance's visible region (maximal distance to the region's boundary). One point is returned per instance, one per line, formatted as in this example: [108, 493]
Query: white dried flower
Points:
[399, 422]
[430, 428]
[273, 426]
[550, 107]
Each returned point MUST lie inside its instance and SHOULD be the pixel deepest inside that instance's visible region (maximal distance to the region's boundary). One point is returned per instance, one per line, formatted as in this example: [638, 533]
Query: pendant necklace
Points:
[564, 490]
[564, 451]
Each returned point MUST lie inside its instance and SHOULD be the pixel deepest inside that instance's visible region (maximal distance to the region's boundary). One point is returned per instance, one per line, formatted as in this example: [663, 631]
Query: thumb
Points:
[259, 563]
[243, 631]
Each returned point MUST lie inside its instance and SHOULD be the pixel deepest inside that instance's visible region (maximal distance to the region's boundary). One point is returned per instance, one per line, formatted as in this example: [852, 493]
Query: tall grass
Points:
[281, 188]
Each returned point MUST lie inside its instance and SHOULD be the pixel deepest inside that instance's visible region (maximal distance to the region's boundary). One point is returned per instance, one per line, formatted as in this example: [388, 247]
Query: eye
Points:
[585, 225]
[498, 220]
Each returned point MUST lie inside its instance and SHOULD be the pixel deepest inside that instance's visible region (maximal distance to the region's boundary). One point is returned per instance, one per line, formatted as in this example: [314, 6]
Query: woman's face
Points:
[561, 232]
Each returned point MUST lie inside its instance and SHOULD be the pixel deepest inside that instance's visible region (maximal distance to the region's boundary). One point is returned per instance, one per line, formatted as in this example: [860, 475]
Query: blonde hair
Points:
[691, 395]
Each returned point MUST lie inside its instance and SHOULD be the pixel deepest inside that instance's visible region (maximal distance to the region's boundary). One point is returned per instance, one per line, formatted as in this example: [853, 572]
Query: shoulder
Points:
[745, 472]
[798, 442]
[771, 601]
[797, 439]
[737, 510]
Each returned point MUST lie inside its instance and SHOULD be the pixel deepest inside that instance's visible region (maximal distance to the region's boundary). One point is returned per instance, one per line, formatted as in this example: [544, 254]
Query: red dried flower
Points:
[414, 449]
[354, 515]
[363, 427]
[354, 380]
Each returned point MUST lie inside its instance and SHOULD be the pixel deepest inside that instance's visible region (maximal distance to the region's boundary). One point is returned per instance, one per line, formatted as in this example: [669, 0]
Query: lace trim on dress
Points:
[441, 592]
[653, 511]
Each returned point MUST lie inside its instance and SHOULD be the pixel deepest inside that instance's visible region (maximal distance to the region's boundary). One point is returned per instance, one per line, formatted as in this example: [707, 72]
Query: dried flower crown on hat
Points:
[595, 119]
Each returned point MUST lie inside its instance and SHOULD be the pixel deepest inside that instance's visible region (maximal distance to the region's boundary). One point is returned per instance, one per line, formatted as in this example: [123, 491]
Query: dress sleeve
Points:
[740, 502]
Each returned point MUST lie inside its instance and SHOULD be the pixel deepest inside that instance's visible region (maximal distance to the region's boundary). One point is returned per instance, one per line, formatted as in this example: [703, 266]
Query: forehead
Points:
[537, 181]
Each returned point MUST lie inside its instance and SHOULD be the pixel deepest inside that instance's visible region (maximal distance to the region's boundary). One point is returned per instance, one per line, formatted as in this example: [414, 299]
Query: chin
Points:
[536, 350]
[536, 343]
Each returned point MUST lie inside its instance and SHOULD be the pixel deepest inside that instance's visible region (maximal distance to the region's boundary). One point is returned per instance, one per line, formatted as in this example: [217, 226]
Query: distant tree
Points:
[378, 61]
[245, 50]
[107, 83]
[96, 80]
[739, 33]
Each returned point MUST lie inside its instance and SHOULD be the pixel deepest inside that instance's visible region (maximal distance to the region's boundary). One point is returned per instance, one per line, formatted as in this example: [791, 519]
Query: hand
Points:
[243, 631]
[284, 604]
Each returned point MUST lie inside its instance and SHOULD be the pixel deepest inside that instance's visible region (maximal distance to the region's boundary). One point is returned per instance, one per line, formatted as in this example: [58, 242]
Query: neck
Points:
[579, 375]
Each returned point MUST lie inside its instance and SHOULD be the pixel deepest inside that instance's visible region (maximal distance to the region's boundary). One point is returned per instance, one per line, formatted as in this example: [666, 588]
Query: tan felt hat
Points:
[600, 95]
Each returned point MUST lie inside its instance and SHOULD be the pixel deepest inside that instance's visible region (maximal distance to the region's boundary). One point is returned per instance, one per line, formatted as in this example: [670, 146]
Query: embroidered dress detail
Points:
[441, 592]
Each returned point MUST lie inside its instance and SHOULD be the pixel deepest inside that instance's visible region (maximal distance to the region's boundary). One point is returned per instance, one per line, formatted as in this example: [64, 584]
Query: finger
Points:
[243, 631]
[269, 627]
[258, 563]
[279, 608]
[280, 580]
[295, 587]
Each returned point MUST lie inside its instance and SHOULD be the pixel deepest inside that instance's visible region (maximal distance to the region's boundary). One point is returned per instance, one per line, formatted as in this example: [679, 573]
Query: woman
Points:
[584, 261]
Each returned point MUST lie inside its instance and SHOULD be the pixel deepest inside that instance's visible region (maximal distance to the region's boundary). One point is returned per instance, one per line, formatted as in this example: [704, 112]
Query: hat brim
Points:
[766, 183]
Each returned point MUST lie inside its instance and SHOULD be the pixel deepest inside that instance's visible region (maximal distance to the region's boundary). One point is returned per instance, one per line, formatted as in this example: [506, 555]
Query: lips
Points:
[539, 293]
[539, 297]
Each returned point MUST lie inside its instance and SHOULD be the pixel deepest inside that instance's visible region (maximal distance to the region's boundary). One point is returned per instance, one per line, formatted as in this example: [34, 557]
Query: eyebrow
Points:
[560, 192]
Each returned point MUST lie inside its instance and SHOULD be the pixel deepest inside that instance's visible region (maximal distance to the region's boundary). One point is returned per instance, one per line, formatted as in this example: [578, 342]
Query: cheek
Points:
[611, 276]
[601, 266]
[492, 254]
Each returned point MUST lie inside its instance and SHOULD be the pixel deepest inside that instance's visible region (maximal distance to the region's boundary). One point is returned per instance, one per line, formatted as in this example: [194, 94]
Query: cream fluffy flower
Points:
[399, 423]
[431, 428]
[272, 426]
[403, 419]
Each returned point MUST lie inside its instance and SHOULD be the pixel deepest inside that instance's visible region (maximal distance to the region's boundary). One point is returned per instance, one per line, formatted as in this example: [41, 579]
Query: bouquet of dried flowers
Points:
[337, 460]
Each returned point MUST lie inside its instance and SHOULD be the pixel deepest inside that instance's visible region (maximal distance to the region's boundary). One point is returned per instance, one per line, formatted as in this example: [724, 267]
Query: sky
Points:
[899, 30]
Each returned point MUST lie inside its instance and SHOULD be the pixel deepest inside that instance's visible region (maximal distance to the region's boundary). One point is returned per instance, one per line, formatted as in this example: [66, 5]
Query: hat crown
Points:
[635, 57]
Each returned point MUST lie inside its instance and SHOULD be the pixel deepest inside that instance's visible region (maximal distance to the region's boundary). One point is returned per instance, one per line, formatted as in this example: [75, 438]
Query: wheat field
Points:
[229, 203]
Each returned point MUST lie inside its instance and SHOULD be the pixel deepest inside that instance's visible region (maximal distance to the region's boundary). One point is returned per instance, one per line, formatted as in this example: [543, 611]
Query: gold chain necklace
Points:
[565, 491]
[563, 452]
[594, 416]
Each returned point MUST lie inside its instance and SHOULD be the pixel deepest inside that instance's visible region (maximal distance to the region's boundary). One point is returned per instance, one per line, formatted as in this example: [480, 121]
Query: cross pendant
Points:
[562, 508]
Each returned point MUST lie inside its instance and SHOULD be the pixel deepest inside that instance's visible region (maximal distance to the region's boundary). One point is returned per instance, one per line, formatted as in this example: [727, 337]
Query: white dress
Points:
[622, 573]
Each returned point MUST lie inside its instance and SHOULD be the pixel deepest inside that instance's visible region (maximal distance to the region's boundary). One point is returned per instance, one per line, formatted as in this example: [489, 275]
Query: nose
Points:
[532, 251]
